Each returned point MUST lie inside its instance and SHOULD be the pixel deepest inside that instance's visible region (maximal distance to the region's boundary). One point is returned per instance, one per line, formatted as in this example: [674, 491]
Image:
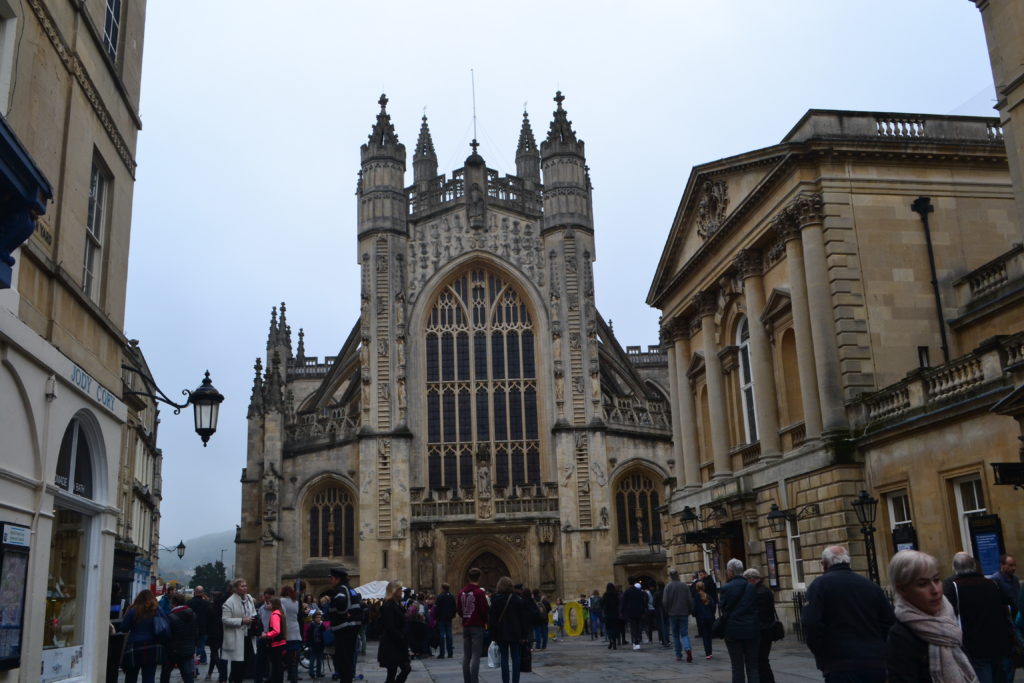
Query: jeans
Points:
[184, 663]
[316, 660]
[989, 670]
[509, 651]
[635, 630]
[680, 633]
[444, 638]
[540, 637]
[596, 624]
[201, 648]
[472, 646]
[743, 656]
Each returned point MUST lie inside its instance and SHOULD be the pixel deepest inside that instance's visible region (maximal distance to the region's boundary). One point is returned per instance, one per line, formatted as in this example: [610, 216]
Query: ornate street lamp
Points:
[205, 401]
[778, 519]
[179, 549]
[866, 507]
[655, 544]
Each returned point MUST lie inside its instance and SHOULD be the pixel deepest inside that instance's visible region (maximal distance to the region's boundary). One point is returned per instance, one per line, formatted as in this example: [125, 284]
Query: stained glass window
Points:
[481, 393]
[636, 510]
[331, 523]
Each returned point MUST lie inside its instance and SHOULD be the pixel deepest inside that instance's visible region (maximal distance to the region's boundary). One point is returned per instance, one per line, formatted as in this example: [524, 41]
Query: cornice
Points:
[75, 67]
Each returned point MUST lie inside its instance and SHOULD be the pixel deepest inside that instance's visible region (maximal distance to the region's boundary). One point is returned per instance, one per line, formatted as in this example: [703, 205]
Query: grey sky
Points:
[254, 112]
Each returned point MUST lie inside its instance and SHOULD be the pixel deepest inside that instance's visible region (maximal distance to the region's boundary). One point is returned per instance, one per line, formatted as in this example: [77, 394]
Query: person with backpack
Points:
[540, 632]
[181, 646]
[596, 616]
[276, 636]
[346, 617]
[472, 606]
[314, 638]
[144, 649]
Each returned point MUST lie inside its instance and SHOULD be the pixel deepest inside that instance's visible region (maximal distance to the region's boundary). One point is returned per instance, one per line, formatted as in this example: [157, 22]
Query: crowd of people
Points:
[964, 628]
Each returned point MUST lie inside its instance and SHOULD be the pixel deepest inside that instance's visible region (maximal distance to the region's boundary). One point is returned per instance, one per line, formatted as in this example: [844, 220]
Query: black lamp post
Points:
[205, 401]
[778, 518]
[655, 544]
[179, 549]
[866, 507]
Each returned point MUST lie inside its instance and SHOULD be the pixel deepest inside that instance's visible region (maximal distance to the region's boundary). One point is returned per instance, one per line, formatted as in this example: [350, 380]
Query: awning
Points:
[24, 191]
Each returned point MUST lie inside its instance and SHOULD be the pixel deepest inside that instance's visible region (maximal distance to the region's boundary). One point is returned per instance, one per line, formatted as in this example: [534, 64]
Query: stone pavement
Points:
[582, 660]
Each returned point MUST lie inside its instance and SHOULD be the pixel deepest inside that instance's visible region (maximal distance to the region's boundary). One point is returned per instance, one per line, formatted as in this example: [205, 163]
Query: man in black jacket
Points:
[846, 621]
[201, 606]
[444, 612]
[181, 649]
[982, 609]
[634, 606]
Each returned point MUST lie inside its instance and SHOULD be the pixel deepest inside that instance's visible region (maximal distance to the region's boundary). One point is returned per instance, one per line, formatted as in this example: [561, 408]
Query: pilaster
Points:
[707, 305]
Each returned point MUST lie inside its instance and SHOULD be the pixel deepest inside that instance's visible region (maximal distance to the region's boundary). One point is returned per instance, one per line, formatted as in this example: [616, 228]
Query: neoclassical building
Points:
[842, 311]
[480, 412]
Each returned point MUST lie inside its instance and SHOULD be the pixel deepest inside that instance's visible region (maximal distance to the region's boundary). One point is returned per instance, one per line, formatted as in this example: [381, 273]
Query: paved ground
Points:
[581, 660]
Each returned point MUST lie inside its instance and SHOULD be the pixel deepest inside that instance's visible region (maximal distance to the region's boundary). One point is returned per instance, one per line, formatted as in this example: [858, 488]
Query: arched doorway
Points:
[491, 569]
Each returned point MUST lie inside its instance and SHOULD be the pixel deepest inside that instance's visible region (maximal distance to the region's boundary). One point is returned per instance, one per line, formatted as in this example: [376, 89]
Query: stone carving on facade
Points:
[546, 533]
[711, 207]
[749, 263]
[403, 527]
[547, 566]
[366, 531]
[604, 516]
[706, 302]
[577, 384]
[402, 399]
[569, 470]
[785, 226]
[602, 478]
[425, 570]
[774, 254]
[424, 538]
[808, 209]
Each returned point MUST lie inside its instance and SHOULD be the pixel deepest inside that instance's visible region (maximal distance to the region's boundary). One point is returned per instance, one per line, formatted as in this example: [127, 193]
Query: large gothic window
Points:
[332, 523]
[636, 509]
[481, 383]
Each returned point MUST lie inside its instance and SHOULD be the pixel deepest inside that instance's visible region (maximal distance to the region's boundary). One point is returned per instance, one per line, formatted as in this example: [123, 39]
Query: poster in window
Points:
[773, 564]
[986, 541]
[13, 579]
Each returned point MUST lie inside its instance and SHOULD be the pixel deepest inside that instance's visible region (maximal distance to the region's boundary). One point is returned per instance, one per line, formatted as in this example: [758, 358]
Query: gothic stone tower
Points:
[480, 413]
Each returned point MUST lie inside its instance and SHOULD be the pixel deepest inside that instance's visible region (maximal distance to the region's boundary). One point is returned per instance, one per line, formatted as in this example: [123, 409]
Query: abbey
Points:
[480, 412]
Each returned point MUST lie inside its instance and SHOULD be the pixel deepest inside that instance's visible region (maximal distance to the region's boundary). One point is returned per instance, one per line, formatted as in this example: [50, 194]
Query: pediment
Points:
[716, 197]
[696, 367]
[778, 304]
[1012, 404]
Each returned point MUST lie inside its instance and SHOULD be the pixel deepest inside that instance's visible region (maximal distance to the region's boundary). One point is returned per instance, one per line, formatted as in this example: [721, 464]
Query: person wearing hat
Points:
[346, 617]
[634, 606]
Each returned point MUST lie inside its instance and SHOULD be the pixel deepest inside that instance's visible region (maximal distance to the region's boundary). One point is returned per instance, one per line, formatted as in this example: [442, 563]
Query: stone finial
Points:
[424, 159]
[706, 302]
[272, 335]
[256, 399]
[808, 209]
[527, 153]
[301, 352]
[273, 395]
[560, 133]
[284, 336]
[383, 132]
[749, 263]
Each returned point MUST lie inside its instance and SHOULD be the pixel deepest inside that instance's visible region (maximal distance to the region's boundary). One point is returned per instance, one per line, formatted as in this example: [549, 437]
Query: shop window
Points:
[74, 462]
[65, 599]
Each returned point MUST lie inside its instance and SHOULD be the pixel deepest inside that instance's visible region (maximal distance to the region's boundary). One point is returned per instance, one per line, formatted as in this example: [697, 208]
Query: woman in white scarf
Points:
[925, 643]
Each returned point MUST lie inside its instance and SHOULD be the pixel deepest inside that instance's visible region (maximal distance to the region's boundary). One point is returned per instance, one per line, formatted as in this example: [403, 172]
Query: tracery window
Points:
[481, 383]
[332, 523]
[746, 381]
[636, 509]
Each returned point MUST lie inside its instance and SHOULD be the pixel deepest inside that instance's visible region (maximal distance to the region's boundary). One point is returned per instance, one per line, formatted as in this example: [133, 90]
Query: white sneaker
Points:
[636, 647]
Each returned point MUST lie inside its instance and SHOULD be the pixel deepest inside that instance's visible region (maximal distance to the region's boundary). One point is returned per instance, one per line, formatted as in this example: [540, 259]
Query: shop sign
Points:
[84, 381]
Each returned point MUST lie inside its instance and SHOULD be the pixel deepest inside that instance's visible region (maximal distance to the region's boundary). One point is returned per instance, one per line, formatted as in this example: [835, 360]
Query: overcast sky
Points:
[253, 116]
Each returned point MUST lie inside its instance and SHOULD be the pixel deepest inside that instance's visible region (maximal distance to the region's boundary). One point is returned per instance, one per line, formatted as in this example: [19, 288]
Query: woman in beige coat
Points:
[238, 612]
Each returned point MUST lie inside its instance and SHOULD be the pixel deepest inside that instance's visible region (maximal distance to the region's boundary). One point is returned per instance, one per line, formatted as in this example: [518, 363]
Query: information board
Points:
[986, 542]
[14, 550]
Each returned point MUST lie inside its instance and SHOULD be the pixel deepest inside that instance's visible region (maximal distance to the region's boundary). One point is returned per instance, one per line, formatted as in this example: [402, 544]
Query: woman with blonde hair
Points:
[704, 614]
[393, 652]
[925, 643]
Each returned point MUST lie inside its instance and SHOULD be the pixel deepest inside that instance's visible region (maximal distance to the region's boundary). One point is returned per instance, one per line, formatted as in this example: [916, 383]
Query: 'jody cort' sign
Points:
[84, 381]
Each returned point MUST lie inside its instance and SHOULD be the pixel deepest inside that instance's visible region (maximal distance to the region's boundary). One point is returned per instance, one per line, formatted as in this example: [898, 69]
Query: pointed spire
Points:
[383, 132]
[301, 353]
[272, 335]
[424, 159]
[285, 333]
[272, 394]
[256, 399]
[561, 132]
[527, 154]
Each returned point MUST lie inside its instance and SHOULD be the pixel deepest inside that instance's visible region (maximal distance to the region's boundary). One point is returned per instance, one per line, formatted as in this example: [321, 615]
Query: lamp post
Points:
[179, 549]
[778, 518]
[205, 401]
[866, 507]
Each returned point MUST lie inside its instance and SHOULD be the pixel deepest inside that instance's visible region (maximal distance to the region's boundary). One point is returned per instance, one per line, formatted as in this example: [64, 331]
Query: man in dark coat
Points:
[346, 617]
[846, 621]
[982, 609]
[444, 612]
[181, 649]
[742, 634]
[201, 606]
[634, 606]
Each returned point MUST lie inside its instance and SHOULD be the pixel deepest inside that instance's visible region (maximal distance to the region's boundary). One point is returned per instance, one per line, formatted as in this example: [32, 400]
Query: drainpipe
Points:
[922, 206]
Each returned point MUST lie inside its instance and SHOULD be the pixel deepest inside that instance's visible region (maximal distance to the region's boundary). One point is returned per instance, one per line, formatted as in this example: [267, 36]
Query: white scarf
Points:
[947, 662]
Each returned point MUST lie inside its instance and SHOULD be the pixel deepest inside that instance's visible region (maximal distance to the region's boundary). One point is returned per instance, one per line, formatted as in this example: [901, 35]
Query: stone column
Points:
[808, 210]
[686, 407]
[668, 343]
[788, 230]
[749, 263]
[707, 304]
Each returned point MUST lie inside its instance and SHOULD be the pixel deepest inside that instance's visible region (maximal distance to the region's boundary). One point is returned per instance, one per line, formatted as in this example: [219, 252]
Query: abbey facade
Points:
[481, 412]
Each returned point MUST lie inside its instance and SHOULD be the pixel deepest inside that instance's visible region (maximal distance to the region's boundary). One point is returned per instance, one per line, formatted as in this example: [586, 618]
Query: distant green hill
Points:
[199, 550]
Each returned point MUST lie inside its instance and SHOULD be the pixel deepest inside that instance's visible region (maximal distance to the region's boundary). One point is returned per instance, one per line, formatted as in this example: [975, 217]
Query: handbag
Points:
[718, 627]
[777, 630]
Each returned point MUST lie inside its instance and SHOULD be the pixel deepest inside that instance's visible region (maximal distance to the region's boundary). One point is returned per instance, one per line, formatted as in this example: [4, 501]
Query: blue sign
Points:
[987, 545]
